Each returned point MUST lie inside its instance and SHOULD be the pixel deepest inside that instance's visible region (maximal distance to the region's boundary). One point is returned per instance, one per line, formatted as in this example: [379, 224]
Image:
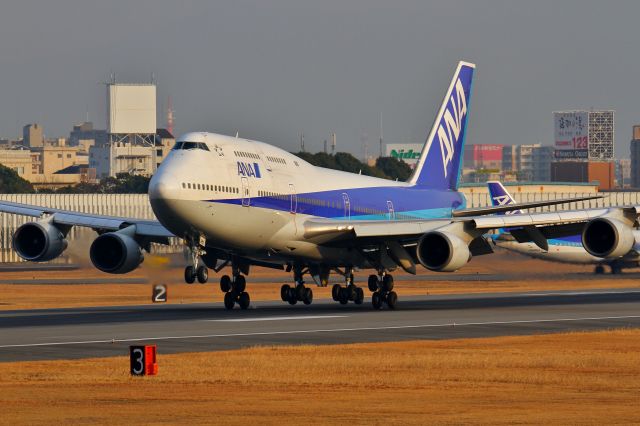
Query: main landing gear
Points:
[350, 292]
[298, 292]
[234, 289]
[382, 288]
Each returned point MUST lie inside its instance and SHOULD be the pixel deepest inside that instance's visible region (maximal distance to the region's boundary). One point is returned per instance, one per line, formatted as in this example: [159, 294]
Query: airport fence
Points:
[126, 205]
[137, 206]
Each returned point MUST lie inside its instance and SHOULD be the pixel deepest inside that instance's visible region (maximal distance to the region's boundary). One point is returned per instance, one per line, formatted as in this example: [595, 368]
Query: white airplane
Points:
[240, 203]
[564, 249]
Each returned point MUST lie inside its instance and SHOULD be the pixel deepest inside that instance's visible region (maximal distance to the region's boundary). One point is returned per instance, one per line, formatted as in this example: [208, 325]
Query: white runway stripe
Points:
[331, 330]
[297, 317]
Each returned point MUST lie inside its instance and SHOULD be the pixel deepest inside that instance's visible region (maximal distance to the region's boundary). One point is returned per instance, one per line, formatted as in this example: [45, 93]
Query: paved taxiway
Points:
[108, 331]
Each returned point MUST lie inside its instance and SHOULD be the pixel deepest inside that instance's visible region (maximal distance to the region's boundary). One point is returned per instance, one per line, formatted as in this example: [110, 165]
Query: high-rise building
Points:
[32, 135]
[635, 157]
[483, 156]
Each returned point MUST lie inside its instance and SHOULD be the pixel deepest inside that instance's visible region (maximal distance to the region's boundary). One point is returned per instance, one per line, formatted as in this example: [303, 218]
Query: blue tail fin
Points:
[439, 165]
[501, 197]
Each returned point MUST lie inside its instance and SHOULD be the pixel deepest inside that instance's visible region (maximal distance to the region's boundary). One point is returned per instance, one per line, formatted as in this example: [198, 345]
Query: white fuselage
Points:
[210, 193]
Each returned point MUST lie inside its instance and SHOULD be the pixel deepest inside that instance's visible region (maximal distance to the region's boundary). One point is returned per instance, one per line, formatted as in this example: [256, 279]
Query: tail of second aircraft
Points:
[500, 196]
[440, 162]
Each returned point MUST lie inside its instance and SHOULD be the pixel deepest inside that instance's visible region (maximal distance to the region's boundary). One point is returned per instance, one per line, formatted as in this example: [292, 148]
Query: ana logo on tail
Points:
[453, 122]
[502, 200]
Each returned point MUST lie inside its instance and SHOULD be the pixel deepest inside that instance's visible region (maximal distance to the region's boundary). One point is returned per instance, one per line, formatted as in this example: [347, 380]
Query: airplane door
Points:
[293, 198]
[392, 212]
[246, 196]
[346, 203]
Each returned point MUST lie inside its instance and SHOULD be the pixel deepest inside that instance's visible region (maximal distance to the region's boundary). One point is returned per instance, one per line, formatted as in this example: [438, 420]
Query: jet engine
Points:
[607, 238]
[39, 241]
[442, 251]
[116, 253]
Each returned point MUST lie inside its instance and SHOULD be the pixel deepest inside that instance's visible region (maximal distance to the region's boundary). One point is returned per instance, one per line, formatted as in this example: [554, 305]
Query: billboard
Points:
[571, 134]
[407, 152]
[132, 108]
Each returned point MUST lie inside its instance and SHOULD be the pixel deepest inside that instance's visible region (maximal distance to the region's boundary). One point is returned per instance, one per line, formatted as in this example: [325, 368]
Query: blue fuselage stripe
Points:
[375, 203]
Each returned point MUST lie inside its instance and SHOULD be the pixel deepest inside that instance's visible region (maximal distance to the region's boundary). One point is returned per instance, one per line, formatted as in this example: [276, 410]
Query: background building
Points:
[483, 156]
[635, 157]
[600, 172]
[32, 135]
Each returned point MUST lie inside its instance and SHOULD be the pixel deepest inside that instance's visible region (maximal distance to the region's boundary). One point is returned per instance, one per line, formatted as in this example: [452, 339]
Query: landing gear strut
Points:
[194, 270]
[382, 288]
[234, 289]
[298, 292]
[350, 292]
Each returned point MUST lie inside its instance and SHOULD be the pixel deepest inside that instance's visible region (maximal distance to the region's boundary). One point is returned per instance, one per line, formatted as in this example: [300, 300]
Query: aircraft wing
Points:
[536, 227]
[152, 230]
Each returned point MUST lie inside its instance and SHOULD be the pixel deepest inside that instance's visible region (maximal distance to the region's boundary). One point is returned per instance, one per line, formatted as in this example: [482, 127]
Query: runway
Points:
[108, 331]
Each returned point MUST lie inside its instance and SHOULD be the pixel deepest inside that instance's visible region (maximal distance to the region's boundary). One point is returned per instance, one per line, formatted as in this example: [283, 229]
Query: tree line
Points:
[385, 167]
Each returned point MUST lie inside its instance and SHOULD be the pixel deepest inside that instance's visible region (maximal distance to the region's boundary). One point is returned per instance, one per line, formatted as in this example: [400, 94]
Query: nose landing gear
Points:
[195, 270]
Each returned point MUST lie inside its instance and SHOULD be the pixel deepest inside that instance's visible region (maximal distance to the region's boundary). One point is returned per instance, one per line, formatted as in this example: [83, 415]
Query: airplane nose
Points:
[163, 186]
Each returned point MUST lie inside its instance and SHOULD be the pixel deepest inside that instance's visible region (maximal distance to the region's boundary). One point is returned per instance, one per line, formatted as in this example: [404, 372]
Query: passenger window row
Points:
[277, 160]
[246, 155]
[207, 187]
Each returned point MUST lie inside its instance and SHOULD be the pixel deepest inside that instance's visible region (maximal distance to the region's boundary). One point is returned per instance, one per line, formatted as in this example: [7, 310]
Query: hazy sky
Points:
[271, 69]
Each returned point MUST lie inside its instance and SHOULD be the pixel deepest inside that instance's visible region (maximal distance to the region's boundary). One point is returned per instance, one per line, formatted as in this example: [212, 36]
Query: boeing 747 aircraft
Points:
[238, 203]
[565, 249]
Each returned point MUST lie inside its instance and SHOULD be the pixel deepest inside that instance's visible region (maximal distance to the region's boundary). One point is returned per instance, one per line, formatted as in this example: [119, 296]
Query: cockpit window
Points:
[191, 145]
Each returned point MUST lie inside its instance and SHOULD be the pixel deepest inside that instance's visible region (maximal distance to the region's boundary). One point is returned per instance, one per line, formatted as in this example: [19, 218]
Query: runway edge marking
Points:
[333, 330]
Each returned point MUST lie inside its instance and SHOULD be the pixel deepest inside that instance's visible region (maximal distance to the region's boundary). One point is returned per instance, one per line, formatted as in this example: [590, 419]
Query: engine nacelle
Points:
[39, 241]
[607, 238]
[115, 253]
[442, 251]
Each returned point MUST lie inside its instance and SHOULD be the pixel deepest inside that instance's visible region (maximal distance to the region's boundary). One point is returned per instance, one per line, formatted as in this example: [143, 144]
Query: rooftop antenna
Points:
[381, 137]
[170, 116]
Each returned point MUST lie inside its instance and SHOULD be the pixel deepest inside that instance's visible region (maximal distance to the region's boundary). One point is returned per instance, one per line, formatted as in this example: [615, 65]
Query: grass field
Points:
[587, 378]
[527, 276]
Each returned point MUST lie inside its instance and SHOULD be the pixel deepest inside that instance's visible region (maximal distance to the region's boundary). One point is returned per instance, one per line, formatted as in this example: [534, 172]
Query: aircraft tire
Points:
[244, 300]
[359, 296]
[344, 295]
[308, 296]
[189, 275]
[392, 299]
[387, 283]
[300, 292]
[202, 274]
[335, 292]
[599, 269]
[229, 300]
[373, 283]
[240, 284]
[225, 283]
[376, 300]
[284, 292]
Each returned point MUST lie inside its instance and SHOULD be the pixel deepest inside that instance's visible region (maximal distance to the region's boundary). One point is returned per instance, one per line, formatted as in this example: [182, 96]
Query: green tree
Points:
[394, 168]
[11, 183]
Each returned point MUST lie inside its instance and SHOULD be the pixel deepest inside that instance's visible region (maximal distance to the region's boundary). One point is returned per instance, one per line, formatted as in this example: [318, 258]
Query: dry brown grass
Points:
[526, 273]
[591, 378]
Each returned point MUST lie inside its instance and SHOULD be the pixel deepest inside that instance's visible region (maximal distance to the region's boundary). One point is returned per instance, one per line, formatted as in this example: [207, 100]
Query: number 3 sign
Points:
[143, 361]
